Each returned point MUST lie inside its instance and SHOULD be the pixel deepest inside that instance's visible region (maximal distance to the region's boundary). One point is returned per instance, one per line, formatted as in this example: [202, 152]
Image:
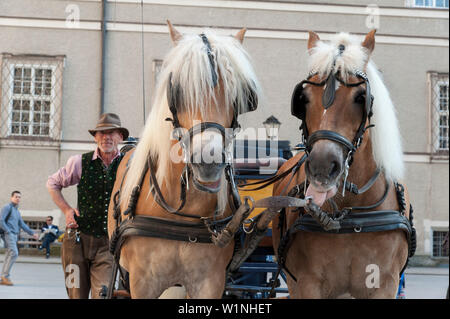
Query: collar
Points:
[97, 155]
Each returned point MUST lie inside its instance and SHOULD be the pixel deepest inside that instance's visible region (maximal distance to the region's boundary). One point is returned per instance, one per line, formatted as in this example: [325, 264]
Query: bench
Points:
[35, 223]
[27, 240]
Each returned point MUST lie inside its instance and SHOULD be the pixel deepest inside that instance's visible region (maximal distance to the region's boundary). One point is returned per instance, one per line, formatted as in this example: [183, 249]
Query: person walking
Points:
[11, 222]
[87, 262]
[49, 233]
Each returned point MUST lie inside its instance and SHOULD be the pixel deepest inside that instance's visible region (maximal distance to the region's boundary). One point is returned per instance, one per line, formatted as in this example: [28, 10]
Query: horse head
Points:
[335, 106]
[205, 96]
[206, 81]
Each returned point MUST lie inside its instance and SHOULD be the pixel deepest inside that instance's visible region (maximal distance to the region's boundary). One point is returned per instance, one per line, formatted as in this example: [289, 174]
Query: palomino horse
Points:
[352, 243]
[181, 161]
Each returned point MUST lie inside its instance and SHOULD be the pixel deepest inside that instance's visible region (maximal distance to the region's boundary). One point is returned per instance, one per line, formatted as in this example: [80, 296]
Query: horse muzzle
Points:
[324, 168]
[207, 177]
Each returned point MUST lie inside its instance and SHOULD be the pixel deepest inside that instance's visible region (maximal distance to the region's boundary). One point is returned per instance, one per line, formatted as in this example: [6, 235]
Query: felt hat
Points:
[109, 121]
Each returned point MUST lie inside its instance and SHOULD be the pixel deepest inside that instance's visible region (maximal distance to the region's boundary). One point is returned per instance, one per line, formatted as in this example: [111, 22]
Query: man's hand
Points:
[35, 236]
[70, 217]
[68, 211]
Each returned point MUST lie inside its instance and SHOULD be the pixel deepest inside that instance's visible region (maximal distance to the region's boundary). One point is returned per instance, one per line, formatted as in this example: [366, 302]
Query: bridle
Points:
[184, 136]
[298, 109]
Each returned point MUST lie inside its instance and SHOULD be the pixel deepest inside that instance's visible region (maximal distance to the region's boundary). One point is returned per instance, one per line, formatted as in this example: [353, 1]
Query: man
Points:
[87, 263]
[49, 233]
[11, 222]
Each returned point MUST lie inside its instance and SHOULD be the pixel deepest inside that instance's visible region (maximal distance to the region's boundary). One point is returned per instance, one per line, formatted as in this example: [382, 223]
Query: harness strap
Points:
[273, 179]
[329, 135]
[378, 203]
[159, 197]
[354, 188]
[149, 226]
[173, 96]
[235, 200]
[364, 222]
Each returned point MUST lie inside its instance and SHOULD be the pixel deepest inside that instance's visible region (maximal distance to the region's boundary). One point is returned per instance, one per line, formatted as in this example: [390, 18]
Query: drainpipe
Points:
[102, 68]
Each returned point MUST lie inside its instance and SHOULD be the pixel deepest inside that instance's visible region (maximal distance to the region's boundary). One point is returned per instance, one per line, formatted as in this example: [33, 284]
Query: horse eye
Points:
[304, 99]
[360, 98]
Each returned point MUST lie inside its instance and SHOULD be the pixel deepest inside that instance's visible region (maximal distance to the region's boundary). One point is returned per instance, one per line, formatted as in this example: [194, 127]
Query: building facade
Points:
[65, 62]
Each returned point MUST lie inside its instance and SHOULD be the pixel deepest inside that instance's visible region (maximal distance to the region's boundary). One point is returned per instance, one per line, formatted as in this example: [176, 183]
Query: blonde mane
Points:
[190, 69]
[385, 136]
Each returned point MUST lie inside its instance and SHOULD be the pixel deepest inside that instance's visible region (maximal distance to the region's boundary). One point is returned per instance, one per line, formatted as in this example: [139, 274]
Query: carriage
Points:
[254, 278]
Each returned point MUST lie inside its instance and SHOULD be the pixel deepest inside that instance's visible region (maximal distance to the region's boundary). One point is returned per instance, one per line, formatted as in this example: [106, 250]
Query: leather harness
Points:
[346, 221]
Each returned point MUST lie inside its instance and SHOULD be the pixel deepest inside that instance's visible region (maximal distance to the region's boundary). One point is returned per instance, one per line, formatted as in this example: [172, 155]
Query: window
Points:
[31, 99]
[35, 224]
[428, 3]
[438, 244]
[439, 113]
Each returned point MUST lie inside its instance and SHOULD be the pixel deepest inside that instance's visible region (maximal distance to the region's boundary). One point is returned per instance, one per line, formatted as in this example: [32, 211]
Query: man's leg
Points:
[11, 254]
[75, 266]
[48, 239]
[46, 243]
[101, 267]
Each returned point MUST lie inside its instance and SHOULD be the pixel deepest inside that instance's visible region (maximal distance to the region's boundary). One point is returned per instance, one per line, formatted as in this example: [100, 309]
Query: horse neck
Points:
[361, 171]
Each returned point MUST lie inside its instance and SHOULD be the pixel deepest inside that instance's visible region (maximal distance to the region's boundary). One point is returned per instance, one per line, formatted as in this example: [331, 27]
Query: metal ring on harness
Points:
[193, 240]
[250, 220]
[357, 229]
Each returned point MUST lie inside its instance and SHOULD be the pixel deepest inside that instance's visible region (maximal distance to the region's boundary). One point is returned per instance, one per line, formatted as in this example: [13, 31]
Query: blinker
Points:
[330, 86]
[330, 91]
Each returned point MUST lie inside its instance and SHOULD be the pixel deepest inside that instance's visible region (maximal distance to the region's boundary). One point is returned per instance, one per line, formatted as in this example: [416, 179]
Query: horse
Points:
[176, 177]
[350, 241]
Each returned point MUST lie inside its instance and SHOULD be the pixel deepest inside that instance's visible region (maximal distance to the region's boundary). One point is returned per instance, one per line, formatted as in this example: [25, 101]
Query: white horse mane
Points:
[190, 68]
[385, 136]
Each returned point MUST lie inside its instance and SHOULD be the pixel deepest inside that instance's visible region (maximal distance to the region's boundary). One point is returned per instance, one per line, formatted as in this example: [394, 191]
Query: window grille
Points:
[35, 224]
[438, 244]
[439, 113]
[31, 99]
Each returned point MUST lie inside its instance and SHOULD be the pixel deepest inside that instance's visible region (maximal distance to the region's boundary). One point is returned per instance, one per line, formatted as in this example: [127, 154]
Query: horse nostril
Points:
[335, 168]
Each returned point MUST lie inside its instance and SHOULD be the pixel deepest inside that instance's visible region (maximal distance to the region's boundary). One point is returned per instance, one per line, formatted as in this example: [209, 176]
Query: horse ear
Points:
[312, 41]
[175, 35]
[240, 35]
[369, 41]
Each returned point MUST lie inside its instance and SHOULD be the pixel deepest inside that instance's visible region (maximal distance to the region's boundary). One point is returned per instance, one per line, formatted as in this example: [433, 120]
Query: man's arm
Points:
[68, 211]
[66, 176]
[4, 212]
[26, 228]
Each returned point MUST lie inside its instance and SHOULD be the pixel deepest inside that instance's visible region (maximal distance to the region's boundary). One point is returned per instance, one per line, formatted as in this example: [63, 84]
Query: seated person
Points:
[49, 233]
